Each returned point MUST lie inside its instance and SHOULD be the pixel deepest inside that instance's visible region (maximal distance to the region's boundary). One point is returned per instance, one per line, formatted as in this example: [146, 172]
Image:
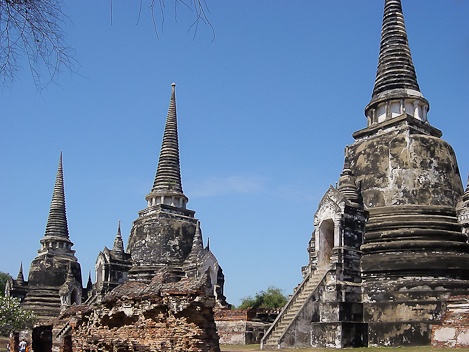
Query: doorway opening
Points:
[326, 242]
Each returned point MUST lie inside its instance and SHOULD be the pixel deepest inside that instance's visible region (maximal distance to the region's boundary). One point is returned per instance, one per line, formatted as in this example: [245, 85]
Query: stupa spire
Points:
[118, 242]
[89, 285]
[20, 277]
[57, 221]
[168, 174]
[197, 244]
[347, 183]
[395, 66]
[396, 80]
[118, 247]
[167, 187]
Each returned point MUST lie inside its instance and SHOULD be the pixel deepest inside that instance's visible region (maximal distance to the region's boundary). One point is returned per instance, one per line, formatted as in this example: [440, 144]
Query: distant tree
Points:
[33, 29]
[13, 317]
[4, 277]
[272, 298]
[247, 302]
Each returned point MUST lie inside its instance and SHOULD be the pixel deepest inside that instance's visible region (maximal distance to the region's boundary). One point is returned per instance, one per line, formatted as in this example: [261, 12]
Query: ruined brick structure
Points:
[167, 314]
[390, 244]
[54, 281]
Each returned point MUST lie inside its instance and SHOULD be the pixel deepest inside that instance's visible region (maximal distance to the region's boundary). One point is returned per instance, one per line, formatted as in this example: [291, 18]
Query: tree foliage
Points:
[198, 7]
[32, 30]
[4, 277]
[13, 317]
[272, 298]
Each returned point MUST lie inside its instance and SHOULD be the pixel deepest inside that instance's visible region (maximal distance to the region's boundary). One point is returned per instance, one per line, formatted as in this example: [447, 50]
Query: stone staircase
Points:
[272, 339]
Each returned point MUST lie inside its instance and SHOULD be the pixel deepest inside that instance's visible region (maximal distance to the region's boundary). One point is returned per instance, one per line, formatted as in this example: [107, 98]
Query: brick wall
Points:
[164, 315]
[249, 314]
[235, 315]
[453, 328]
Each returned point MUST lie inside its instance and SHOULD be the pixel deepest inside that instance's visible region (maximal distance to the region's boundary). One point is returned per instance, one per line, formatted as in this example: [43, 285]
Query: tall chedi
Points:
[166, 234]
[163, 233]
[389, 244]
[54, 281]
[414, 253]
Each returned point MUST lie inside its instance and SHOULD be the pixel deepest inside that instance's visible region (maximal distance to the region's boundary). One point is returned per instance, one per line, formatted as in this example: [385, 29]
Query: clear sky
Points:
[264, 114]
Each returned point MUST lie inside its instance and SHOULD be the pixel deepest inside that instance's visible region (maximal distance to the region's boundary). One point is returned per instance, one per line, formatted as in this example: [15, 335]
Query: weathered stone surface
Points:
[345, 334]
[453, 329]
[405, 164]
[243, 326]
[48, 270]
[167, 314]
[161, 238]
[241, 332]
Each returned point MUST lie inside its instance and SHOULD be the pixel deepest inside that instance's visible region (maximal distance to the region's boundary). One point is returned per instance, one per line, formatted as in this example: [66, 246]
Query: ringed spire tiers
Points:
[167, 187]
[56, 237]
[396, 90]
[57, 221]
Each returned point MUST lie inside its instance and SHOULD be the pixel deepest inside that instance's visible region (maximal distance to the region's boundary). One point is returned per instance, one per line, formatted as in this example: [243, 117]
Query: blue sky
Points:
[264, 113]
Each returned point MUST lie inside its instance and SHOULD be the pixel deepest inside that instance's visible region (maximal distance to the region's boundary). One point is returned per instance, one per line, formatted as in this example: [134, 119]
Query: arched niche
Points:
[75, 297]
[325, 242]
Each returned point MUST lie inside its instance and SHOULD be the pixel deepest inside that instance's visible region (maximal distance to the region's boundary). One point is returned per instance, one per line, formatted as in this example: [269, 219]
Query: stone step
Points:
[42, 299]
[296, 304]
[41, 302]
[35, 295]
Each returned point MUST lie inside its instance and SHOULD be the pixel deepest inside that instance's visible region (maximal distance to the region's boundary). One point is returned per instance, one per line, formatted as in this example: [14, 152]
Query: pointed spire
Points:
[197, 243]
[347, 185]
[395, 77]
[395, 66]
[89, 285]
[208, 244]
[167, 187]
[20, 278]
[57, 221]
[168, 174]
[118, 242]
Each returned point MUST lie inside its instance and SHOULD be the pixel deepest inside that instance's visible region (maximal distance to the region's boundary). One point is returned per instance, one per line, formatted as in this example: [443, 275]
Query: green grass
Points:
[363, 349]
